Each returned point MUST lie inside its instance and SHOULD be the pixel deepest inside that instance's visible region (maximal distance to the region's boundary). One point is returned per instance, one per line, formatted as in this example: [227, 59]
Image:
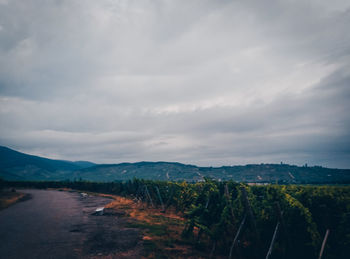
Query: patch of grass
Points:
[149, 246]
[152, 230]
[161, 231]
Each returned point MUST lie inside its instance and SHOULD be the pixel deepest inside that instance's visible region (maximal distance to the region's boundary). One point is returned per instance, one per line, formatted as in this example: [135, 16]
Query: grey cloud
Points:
[203, 82]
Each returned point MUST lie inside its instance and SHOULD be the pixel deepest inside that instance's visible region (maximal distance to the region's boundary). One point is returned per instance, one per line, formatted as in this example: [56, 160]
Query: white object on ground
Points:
[99, 211]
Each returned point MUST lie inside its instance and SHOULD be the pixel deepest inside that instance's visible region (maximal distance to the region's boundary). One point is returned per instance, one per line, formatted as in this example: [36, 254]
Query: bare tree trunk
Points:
[284, 229]
[160, 198]
[236, 236]
[272, 241]
[250, 214]
[149, 196]
[324, 243]
[252, 221]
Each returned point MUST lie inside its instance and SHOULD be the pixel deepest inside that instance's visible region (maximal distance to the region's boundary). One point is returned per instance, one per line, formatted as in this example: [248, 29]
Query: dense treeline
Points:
[298, 216]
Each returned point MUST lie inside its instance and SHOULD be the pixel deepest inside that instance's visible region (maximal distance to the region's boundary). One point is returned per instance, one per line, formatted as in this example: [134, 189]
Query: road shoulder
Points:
[11, 197]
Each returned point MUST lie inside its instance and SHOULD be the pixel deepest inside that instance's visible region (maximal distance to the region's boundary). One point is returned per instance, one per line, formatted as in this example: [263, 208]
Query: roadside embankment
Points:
[10, 197]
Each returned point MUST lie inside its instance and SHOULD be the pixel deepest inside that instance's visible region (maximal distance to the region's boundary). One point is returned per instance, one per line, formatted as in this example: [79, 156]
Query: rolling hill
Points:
[15, 165]
[256, 173]
[18, 166]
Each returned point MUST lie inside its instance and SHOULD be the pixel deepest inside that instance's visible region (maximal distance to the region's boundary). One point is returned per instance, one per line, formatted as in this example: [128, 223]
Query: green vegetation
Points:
[155, 230]
[214, 211]
[16, 166]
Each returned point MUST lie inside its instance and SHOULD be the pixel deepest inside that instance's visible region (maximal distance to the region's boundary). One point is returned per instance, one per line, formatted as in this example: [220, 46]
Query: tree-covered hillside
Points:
[18, 166]
[15, 165]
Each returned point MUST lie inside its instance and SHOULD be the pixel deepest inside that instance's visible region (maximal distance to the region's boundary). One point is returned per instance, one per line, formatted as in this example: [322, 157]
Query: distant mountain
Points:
[83, 164]
[18, 166]
[256, 173]
[15, 165]
[145, 170]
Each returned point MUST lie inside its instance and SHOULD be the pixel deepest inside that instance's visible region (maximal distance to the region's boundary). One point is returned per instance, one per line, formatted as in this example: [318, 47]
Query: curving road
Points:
[56, 224]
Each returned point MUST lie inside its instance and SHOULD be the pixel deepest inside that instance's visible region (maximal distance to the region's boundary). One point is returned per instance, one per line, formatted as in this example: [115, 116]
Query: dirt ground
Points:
[61, 224]
[9, 197]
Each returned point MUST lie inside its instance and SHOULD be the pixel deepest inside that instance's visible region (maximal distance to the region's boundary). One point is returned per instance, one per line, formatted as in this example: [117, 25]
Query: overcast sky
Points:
[204, 82]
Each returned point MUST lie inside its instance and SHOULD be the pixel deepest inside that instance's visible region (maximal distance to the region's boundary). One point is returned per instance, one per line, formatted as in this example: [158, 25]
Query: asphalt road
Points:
[55, 224]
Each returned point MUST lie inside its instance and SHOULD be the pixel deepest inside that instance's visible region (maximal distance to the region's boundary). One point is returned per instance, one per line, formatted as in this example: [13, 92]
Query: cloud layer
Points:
[203, 82]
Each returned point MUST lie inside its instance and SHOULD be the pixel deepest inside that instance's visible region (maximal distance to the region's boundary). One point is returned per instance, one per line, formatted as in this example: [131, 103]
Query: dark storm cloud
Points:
[204, 82]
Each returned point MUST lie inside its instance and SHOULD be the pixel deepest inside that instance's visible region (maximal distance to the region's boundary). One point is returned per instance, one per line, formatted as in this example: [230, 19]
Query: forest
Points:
[243, 221]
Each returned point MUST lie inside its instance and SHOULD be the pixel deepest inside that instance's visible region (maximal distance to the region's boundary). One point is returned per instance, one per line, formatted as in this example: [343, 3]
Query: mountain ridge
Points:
[15, 165]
